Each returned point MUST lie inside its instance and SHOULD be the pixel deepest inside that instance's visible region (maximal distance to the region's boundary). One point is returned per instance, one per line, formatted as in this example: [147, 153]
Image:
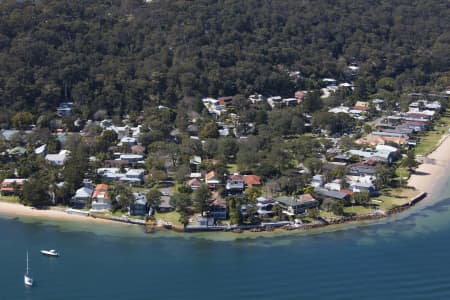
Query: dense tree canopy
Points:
[123, 55]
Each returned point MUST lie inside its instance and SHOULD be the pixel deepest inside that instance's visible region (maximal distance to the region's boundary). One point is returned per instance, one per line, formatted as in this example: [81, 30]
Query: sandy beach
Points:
[435, 167]
[19, 210]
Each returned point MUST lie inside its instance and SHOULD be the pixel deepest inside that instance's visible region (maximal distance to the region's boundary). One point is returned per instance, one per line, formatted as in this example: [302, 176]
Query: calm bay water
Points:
[406, 257]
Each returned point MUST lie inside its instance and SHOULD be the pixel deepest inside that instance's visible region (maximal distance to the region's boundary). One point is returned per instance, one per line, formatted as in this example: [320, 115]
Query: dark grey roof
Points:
[331, 194]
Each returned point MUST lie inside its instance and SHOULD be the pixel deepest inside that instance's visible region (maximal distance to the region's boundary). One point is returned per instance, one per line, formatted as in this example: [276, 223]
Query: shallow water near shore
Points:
[402, 257]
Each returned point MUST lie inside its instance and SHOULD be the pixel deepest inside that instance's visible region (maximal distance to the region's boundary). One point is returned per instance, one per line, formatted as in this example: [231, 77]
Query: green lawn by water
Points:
[391, 198]
[12, 199]
[172, 217]
[357, 209]
[430, 140]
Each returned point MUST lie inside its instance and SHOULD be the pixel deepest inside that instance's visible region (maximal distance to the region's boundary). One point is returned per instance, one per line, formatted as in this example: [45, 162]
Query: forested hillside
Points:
[123, 55]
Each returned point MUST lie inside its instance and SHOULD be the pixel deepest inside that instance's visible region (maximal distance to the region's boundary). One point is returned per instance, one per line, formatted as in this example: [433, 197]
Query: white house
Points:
[126, 140]
[317, 181]
[83, 194]
[335, 185]
[58, 159]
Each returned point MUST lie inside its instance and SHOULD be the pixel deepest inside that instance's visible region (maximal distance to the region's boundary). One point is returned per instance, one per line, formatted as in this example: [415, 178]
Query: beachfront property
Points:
[83, 195]
[292, 206]
[218, 210]
[12, 186]
[101, 200]
[139, 205]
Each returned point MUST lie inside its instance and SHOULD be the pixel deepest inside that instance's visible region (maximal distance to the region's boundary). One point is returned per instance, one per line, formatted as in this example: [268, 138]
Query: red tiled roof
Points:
[194, 182]
[101, 187]
[348, 192]
[210, 175]
[363, 108]
[235, 177]
[252, 180]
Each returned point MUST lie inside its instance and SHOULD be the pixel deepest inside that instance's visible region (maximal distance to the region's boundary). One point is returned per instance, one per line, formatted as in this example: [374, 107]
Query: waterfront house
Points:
[164, 205]
[139, 206]
[82, 195]
[218, 209]
[100, 198]
[264, 206]
[296, 205]
[11, 186]
[205, 221]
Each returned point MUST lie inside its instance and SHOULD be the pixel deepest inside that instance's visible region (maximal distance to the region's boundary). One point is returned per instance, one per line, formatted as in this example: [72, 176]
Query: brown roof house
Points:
[212, 180]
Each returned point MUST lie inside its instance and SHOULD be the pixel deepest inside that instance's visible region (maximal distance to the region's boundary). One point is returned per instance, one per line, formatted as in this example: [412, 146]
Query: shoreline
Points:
[428, 177]
[433, 167]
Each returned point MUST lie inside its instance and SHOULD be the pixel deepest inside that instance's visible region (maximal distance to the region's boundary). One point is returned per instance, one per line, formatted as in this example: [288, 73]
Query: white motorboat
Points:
[52, 252]
[27, 279]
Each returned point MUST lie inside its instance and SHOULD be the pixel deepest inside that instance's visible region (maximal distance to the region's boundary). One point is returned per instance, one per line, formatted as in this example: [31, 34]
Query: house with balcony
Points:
[12, 186]
[212, 180]
[235, 184]
[139, 206]
[83, 195]
[218, 209]
[292, 206]
[101, 200]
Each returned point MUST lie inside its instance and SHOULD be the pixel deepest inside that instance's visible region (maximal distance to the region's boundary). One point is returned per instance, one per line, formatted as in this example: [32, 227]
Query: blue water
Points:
[405, 257]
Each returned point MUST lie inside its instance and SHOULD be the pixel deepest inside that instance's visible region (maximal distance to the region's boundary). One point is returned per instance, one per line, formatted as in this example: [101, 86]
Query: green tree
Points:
[410, 161]
[35, 192]
[121, 196]
[209, 130]
[201, 199]
[314, 165]
[22, 120]
[154, 198]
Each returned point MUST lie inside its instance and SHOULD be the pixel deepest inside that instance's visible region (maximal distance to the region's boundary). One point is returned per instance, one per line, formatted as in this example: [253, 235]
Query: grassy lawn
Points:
[403, 172]
[357, 209]
[429, 141]
[394, 197]
[327, 214]
[118, 213]
[172, 217]
[232, 168]
[12, 199]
